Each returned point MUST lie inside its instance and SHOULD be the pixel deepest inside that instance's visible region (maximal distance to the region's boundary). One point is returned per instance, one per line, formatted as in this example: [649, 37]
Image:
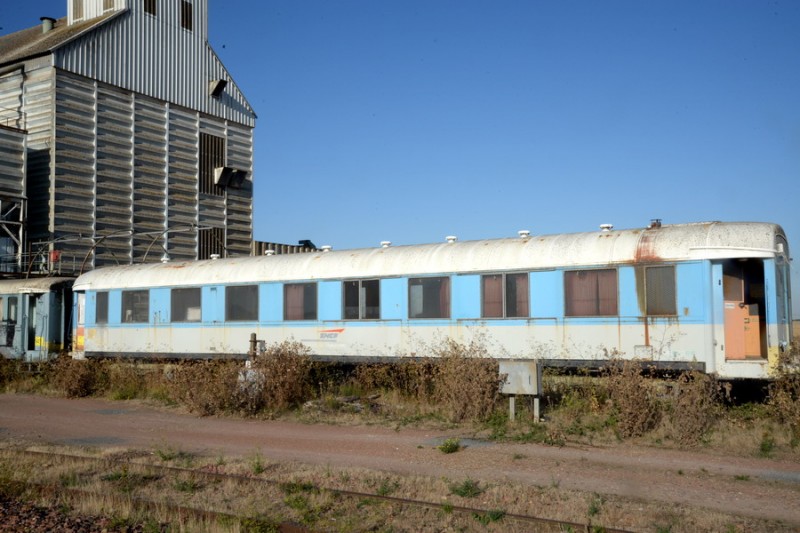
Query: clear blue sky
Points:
[410, 120]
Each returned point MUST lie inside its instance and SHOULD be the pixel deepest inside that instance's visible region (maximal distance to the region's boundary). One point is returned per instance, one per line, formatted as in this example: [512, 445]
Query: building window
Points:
[108, 5]
[186, 15]
[660, 291]
[185, 305]
[429, 297]
[212, 241]
[362, 299]
[590, 292]
[212, 156]
[241, 303]
[300, 301]
[504, 295]
[135, 306]
[150, 7]
[77, 10]
[101, 308]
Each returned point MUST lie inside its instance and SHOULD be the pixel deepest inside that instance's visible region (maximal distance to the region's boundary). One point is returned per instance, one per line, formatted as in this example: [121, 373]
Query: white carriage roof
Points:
[679, 242]
[31, 285]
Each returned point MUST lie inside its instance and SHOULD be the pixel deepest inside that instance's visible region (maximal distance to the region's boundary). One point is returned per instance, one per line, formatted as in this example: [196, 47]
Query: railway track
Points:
[108, 469]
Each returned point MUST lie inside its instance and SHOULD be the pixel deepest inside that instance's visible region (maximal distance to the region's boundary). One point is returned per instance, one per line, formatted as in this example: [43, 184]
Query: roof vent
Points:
[47, 23]
[606, 227]
[269, 252]
[213, 257]
[655, 223]
[524, 234]
[326, 248]
[451, 239]
[386, 244]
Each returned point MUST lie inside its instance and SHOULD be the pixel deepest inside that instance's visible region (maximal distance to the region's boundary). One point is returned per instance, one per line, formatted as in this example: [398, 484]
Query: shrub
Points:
[283, 376]
[10, 371]
[636, 408]
[77, 378]
[695, 407]
[127, 380]
[451, 445]
[784, 393]
[207, 387]
[467, 381]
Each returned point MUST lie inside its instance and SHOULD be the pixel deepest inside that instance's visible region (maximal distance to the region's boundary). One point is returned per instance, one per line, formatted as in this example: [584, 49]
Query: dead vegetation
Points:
[457, 384]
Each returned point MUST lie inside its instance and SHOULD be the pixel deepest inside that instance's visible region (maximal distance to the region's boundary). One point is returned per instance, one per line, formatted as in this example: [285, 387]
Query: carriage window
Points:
[590, 292]
[185, 305]
[504, 295]
[150, 6]
[300, 301]
[241, 303]
[429, 297]
[135, 306]
[362, 299]
[660, 290]
[101, 308]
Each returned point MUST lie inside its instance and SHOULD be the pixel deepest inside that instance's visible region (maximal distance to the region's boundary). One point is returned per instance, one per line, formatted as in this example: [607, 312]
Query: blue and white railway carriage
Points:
[34, 315]
[710, 295]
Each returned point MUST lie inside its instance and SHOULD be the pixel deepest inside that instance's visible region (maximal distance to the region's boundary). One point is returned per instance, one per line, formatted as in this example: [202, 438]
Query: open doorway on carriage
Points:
[745, 309]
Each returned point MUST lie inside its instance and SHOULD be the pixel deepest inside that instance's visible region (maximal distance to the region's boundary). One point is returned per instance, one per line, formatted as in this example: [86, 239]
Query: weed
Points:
[595, 505]
[387, 487]
[257, 464]
[489, 516]
[187, 485]
[68, 479]
[767, 445]
[296, 487]
[742, 477]
[447, 508]
[466, 489]
[450, 445]
[518, 456]
[259, 524]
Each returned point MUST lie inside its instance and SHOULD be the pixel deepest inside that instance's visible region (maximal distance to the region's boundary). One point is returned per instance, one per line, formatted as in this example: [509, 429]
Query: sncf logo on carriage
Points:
[330, 334]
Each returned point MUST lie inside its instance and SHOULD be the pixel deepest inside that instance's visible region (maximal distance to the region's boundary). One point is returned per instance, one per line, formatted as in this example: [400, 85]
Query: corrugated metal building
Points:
[139, 143]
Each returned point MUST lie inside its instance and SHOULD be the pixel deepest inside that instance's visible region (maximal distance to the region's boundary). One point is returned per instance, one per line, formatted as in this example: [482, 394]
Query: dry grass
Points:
[305, 494]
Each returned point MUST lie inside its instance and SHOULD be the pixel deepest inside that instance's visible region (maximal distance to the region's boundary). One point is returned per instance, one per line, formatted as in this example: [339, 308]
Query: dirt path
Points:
[759, 488]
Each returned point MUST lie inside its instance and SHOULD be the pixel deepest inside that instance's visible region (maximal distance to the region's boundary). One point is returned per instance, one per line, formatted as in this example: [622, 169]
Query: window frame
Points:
[649, 293]
[237, 306]
[131, 301]
[184, 309]
[364, 291]
[598, 301]
[505, 302]
[444, 292]
[310, 294]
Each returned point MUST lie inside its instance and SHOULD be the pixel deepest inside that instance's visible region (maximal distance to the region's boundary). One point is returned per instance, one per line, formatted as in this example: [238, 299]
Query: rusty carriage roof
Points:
[667, 243]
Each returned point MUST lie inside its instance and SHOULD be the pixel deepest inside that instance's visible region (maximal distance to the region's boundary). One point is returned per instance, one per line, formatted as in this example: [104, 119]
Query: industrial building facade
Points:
[137, 145]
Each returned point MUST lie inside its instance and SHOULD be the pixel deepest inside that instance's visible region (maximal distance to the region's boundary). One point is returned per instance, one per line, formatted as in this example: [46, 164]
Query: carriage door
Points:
[745, 324]
[33, 322]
